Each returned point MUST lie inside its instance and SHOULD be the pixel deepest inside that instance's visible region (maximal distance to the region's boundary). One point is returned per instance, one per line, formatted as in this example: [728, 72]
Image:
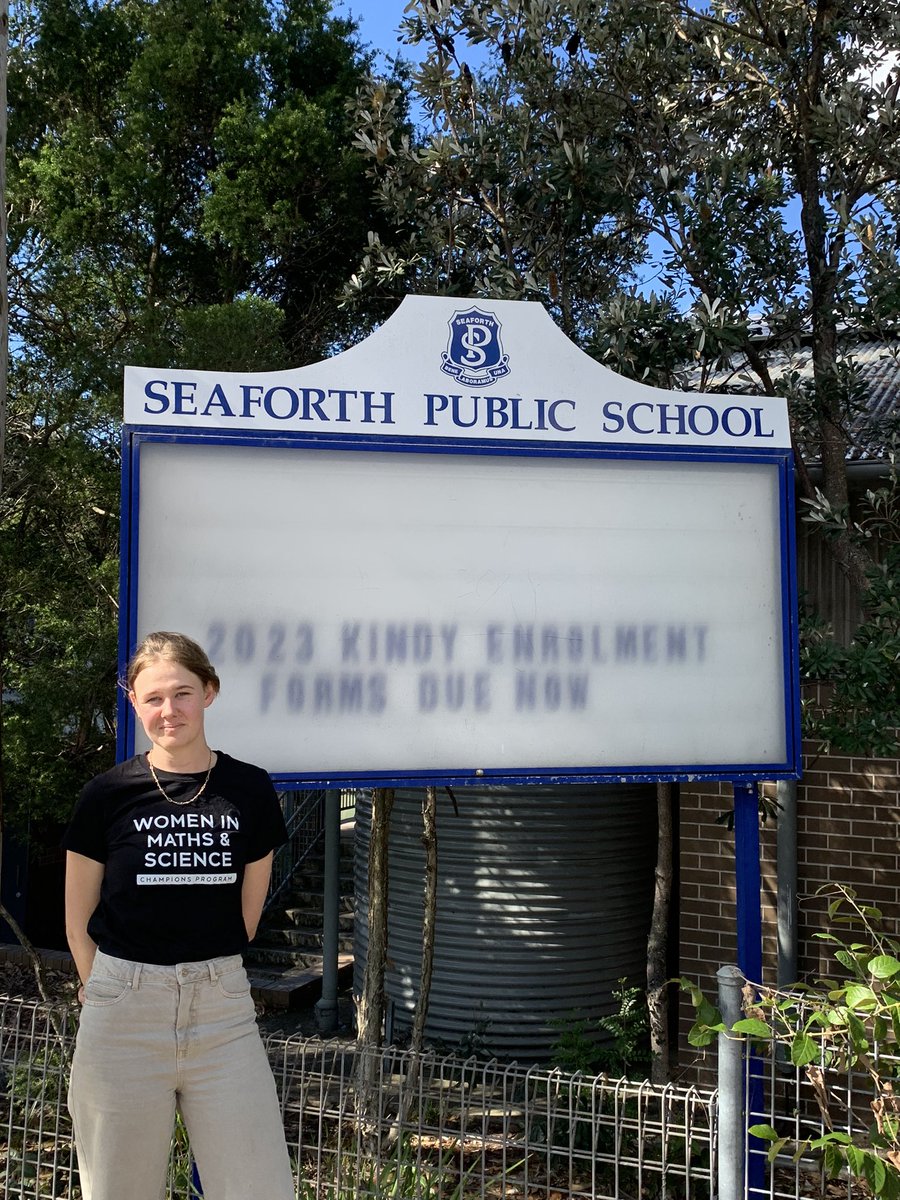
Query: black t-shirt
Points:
[171, 890]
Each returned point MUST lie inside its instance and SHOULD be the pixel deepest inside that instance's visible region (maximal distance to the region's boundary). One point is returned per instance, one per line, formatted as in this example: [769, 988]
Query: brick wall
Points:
[848, 831]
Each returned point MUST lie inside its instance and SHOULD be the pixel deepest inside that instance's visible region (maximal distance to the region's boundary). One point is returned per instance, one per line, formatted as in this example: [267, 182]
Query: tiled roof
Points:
[878, 365]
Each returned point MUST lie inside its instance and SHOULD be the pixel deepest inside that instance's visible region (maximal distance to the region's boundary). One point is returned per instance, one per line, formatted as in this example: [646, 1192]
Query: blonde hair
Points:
[178, 648]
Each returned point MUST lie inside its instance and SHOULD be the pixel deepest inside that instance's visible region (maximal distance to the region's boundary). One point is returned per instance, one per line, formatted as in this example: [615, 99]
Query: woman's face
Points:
[170, 702]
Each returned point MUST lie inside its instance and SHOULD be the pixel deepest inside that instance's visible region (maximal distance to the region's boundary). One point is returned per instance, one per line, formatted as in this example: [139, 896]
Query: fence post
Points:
[732, 1114]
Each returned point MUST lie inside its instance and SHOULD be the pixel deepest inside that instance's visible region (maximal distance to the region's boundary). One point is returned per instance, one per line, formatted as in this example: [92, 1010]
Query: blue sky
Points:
[378, 21]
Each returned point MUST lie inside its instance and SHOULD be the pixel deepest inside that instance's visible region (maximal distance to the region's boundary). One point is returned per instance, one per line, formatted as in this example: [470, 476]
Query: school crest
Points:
[474, 354]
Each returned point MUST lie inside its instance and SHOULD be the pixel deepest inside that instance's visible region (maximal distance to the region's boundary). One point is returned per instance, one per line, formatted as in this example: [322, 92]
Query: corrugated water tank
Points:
[544, 903]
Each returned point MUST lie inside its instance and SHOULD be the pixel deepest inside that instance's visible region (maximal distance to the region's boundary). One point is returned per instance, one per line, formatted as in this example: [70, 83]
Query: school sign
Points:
[462, 550]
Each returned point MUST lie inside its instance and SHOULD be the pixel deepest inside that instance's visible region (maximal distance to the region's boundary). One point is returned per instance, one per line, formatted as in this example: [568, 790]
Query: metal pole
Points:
[747, 880]
[787, 882]
[748, 884]
[732, 1116]
[327, 1006]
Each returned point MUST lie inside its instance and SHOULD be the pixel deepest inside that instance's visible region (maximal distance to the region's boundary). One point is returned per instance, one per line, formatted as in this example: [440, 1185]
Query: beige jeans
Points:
[152, 1039]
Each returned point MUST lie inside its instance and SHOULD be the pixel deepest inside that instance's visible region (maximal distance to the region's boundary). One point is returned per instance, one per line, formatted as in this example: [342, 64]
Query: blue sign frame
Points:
[135, 437]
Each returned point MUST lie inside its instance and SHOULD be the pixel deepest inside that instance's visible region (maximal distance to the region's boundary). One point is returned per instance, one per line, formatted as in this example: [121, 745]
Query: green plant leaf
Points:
[855, 1159]
[766, 1132]
[883, 966]
[891, 1188]
[701, 1035]
[875, 1172]
[832, 1160]
[775, 1148]
[803, 1050]
[857, 1033]
[861, 996]
[752, 1025]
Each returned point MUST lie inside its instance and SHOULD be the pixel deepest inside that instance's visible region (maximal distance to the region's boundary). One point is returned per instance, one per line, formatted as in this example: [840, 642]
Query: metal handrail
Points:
[304, 814]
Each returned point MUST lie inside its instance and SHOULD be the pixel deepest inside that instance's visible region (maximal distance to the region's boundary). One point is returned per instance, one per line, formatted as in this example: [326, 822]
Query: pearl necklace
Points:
[166, 795]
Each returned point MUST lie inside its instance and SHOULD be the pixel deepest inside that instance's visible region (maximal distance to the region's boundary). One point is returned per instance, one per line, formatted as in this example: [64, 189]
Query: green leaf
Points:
[860, 996]
[883, 966]
[775, 1148]
[891, 1188]
[857, 1033]
[875, 1172]
[803, 1050]
[701, 1035]
[708, 1014]
[855, 1159]
[766, 1132]
[832, 1160]
[752, 1025]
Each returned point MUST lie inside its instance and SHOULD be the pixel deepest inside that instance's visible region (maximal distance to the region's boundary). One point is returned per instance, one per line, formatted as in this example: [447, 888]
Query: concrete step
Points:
[305, 895]
[304, 917]
[288, 986]
[311, 938]
[282, 957]
[313, 883]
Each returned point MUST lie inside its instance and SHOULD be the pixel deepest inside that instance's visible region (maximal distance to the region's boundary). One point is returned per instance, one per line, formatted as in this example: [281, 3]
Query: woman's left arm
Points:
[253, 892]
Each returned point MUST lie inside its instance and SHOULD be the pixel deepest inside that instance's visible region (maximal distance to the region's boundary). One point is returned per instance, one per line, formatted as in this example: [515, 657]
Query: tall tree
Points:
[496, 198]
[182, 190]
[745, 153]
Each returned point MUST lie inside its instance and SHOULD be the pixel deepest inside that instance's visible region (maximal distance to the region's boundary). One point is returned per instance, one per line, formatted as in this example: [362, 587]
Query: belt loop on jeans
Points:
[212, 971]
[136, 977]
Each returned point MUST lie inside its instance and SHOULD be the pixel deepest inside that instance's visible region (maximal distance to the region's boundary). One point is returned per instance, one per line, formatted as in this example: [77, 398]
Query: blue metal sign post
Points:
[747, 879]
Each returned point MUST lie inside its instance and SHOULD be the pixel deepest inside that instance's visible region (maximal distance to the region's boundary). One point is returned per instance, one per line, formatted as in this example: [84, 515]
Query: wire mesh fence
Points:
[387, 1123]
[803, 1104]
[37, 1157]
[443, 1127]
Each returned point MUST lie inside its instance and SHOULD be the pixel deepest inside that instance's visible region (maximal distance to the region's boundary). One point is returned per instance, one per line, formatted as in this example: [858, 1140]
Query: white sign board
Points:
[413, 604]
[444, 368]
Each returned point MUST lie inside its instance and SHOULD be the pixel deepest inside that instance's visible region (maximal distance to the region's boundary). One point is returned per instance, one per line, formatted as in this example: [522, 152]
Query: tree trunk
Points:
[657, 942]
[823, 255]
[370, 1005]
[429, 917]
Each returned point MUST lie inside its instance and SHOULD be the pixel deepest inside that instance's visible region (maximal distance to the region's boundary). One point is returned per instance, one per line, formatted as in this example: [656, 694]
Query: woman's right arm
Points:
[83, 879]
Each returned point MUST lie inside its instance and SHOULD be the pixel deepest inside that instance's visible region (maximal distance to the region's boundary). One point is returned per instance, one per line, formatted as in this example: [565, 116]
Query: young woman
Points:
[168, 863]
